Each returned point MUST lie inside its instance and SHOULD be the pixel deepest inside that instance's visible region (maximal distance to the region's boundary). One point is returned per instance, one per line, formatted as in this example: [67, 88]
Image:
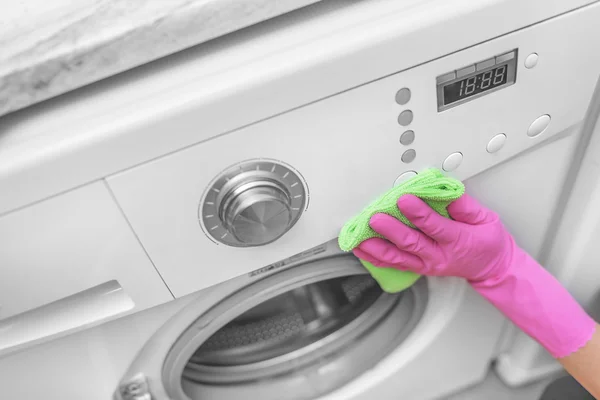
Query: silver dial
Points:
[252, 203]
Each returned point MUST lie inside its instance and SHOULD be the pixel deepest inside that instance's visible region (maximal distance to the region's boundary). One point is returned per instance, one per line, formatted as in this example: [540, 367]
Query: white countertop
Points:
[51, 47]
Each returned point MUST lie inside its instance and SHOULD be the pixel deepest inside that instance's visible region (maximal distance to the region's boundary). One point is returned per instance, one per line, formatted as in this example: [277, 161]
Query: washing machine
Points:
[170, 233]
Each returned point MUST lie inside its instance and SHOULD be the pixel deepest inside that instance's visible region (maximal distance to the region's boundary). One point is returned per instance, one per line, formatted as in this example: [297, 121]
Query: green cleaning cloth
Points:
[429, 185]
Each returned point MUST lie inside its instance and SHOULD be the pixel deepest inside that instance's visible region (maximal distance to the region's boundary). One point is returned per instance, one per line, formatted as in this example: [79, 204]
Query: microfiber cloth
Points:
[429, 185]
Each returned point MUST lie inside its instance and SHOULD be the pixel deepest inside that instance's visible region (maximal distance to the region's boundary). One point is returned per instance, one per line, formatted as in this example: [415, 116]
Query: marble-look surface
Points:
[51, 47]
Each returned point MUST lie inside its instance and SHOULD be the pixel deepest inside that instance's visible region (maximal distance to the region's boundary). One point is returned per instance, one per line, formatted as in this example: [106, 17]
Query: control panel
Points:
[225, 206]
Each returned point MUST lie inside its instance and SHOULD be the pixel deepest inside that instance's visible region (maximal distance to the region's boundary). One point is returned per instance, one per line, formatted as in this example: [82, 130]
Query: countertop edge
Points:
[63, 70]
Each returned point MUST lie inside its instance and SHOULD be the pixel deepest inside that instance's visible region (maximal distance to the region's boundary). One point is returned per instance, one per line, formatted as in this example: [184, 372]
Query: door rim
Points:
[253, 294]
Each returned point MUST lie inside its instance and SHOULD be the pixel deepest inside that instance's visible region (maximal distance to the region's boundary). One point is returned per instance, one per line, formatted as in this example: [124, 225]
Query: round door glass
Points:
[290, 322]
[304, 341]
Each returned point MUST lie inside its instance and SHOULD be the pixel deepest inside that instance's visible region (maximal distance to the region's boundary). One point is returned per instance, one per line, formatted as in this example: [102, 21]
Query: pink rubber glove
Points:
[476, 246]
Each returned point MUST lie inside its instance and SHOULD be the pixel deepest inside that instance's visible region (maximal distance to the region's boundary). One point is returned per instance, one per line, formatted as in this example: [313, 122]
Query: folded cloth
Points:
[437, 190]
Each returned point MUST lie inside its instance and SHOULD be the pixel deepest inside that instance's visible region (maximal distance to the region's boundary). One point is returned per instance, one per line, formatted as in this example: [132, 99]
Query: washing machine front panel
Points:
[346, 149]
[509, 141]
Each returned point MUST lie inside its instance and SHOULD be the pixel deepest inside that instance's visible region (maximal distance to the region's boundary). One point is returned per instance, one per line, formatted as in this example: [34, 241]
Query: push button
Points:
[485, 64]
[496, 143]
[405, 117]
[531, 60]
[403, 96]
[404, 176]
[465, 71]
[407, 138]
[408, 156]
[452, 162]
[538, 126]
[446, 77]
[505, 57]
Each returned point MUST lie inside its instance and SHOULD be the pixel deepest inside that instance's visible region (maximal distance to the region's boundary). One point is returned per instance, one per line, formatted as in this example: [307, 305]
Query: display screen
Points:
[475, 84]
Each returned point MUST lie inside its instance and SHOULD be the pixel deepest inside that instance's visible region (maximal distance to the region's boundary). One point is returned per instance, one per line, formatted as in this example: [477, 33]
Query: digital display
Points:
[475, 84]
[470, 82]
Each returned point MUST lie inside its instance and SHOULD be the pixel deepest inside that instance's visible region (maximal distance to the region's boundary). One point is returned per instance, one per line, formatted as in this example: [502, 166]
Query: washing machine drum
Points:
[297, 334]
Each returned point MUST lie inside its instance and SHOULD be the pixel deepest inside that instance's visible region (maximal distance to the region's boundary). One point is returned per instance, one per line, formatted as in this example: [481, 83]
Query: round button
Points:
[404, 176]
[258, 214]
[538, 126]
[405, 117]
[496, 143]
[407, 138]
[531, 60]
[403, 96]
[452, 161]
[408, 156]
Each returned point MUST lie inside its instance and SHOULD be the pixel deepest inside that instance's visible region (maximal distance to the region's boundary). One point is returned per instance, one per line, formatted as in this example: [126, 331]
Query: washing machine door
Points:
[295, 334]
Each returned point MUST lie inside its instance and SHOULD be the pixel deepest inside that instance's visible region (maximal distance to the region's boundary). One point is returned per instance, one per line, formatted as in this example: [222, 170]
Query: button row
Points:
[405, 119]
[453, 161]
[479, 66]
[538, 126]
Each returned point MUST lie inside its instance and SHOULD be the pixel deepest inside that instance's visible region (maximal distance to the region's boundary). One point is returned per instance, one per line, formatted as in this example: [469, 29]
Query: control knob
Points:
[253, 204]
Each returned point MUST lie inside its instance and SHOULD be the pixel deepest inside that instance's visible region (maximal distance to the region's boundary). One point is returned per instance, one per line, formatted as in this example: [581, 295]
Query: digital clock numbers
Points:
[490, 76]
[475, 84]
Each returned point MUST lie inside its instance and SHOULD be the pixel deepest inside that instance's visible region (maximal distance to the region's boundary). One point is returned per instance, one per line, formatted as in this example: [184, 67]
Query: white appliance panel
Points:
[347, 148]
[206, 91]
[67, 246]
[84, 365]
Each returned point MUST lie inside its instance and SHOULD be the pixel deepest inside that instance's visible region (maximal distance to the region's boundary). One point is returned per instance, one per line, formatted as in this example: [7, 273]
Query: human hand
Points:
[474, 245]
